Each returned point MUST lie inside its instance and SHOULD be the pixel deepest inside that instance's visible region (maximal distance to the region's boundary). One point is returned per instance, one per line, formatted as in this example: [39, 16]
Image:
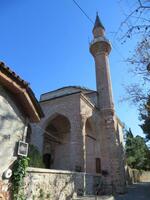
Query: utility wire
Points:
[77, 4]
[81, 9]
[117, 51]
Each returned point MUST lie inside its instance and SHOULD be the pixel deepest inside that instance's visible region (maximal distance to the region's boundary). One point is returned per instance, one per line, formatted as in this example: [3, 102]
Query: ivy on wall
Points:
[19, 172]
[34, 159]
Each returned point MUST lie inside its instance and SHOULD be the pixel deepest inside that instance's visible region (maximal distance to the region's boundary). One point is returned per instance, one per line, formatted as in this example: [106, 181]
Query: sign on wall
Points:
[22, 148]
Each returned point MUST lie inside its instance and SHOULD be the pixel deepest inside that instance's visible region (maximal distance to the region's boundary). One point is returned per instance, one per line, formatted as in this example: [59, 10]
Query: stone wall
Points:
[4, 192]
[58, 185]
[145, 176]
[135, 176]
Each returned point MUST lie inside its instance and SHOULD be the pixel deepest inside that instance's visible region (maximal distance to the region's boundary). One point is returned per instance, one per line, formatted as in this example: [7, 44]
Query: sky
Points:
[46, 42]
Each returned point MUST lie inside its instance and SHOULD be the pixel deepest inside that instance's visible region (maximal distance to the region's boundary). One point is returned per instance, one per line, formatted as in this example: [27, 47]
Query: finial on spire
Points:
[98, 22]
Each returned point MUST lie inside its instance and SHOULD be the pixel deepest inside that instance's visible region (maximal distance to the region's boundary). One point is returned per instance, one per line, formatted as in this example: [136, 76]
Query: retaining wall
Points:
[135, 176]
[58, 184]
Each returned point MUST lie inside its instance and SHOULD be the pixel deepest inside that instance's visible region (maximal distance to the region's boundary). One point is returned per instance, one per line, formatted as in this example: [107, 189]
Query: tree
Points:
[137, 24]
[145, 117]
[139, 92]
[137, 152]
[136, 20]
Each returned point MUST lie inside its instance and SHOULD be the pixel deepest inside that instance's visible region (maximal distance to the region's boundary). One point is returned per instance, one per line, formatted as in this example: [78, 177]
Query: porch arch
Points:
[56, 142]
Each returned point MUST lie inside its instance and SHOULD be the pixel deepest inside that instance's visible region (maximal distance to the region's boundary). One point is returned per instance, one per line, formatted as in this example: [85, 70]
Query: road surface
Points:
[140, 191]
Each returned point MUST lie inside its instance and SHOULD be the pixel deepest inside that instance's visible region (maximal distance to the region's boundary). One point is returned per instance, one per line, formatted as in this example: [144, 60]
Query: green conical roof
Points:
[98, 23]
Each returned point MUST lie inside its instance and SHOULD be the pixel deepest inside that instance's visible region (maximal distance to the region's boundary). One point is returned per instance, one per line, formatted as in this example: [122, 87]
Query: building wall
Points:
[74, 108]
[69, 107]
[113, 152]
[102, 142]
[93, 97]
[92, 135]
[11, 131]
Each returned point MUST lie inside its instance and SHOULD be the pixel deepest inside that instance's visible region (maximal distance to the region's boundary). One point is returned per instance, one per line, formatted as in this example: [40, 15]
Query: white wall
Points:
[11, 129]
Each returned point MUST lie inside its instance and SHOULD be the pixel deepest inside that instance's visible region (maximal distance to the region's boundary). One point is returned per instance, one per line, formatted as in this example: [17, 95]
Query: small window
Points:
[98, 165]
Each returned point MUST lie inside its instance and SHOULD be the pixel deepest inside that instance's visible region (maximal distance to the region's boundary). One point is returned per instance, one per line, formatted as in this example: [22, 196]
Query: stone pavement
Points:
[140, 191]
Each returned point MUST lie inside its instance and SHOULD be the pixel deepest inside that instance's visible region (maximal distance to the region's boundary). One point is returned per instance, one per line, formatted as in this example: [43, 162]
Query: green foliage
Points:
[48, 196]
[35, 157]
[19, 172]
[137, 152]
[41, 197]
[145, 116]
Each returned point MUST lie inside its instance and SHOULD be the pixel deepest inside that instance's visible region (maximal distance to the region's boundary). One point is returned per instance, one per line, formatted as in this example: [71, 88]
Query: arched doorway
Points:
[57, 143]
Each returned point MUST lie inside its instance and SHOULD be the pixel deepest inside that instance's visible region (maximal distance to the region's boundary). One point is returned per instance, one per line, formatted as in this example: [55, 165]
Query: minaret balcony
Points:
[100, 44]
[99, 39]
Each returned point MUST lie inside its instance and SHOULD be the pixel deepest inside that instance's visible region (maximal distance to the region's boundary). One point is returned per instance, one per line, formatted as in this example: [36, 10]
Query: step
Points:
[95, 198]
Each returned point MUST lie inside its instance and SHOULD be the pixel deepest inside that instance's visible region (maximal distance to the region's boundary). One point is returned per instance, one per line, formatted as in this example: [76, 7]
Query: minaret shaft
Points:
[103, 82]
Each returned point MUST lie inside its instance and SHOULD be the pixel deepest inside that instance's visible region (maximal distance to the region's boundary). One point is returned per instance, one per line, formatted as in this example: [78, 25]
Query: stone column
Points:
[83, 122]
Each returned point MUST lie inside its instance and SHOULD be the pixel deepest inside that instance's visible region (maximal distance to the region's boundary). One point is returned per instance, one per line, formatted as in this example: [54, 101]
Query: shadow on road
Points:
[139, 191]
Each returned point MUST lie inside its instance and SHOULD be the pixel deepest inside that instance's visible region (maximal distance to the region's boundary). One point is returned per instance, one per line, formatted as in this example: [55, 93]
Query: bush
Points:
[35, 156]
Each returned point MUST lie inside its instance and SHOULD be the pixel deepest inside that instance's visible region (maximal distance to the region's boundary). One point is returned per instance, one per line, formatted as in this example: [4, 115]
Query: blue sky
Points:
[47, 43]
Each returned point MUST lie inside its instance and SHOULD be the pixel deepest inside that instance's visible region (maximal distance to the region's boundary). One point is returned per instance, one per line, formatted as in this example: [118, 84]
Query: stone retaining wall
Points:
[134, 175]
[58, 185]
[5, 190]
[145, 176]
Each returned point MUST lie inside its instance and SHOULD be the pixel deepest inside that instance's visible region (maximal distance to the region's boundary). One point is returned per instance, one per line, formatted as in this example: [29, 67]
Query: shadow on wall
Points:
[52, 186]
[67, 183]
[11, 128]
[58, 185]
[56, 144]
[11, 131]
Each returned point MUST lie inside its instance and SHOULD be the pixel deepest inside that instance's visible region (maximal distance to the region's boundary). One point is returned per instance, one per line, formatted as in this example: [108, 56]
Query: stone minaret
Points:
[100, 48]
[111, 156]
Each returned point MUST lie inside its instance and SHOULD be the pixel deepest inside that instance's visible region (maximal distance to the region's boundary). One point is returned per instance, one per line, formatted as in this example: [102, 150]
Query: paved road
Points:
[140, 191]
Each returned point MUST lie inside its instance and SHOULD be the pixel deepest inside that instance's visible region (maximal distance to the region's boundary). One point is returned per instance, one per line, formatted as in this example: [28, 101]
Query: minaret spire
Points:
[98, 29]
[98, 22]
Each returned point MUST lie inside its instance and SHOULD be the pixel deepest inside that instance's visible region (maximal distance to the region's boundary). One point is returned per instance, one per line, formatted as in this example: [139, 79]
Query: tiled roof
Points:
[23, 84]
[12, 74]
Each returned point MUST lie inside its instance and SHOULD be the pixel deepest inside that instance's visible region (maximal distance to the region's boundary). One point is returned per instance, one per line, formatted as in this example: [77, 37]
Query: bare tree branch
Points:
[143, 6]
[139, 12]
